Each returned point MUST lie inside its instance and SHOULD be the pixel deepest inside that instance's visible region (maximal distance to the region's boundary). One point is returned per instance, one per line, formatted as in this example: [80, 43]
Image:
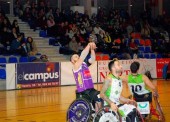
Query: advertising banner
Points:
[160, 64]
[145, 65]
[67, 77]
[32, 75]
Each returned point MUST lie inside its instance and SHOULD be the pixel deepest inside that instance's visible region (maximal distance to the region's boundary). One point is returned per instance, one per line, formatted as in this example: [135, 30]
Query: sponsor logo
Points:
[38, 76]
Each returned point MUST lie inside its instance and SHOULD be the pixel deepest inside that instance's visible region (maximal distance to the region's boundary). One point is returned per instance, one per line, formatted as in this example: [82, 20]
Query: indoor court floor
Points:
[51, 104]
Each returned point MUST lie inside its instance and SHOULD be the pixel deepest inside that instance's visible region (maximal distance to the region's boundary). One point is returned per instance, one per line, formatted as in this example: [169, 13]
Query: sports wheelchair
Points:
[147, 100]
[82, 110]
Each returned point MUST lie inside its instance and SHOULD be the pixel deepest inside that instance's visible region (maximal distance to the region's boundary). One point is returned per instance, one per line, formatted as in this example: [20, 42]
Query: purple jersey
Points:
[83, 78]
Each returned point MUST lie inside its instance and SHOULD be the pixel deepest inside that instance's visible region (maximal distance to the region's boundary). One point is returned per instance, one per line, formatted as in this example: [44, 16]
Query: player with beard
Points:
[83, 78]
[111, 93]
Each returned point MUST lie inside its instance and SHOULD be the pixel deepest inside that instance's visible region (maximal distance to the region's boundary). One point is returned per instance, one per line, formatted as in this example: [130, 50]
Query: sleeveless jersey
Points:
[114, 90]
[137, 84]
[83, 78]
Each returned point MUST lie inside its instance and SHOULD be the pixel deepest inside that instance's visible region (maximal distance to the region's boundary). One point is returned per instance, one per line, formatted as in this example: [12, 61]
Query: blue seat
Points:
[52, 41]
[3, 62]
[2, 74]
[148, 49]
[153, 56]
[13, 60]
[137, 41]
[140, 55]
[43, 33]
[159, 56]
[31, 58]
[141, 48]
[146, 56]
[23, 60]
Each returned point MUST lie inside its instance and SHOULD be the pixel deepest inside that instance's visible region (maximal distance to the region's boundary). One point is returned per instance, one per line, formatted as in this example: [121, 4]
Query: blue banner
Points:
[32, 75]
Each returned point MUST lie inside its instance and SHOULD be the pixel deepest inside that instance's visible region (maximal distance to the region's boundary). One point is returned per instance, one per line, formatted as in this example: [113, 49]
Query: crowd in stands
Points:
[116, 33]
[12, 41]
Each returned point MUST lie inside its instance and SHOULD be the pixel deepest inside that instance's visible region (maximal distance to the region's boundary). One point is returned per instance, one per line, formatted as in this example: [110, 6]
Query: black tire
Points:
[79, 111]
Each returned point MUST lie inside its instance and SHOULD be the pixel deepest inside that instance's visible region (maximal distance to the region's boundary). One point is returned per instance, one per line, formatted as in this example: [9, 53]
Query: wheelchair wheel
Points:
[106, 115]
[79, 111]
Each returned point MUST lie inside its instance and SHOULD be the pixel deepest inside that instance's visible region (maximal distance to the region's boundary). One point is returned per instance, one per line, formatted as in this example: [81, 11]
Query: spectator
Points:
[16, 26]
[51, 27]
[155, 46]
[31, 47]
[27, 5]
[107, 38]
[93, 36]
[27, 15]
[13, 34]
[97, 29]
[17, 47]
[57, 16]
[5, 37]
[133, 47]
[73, 45]
[6, 23]
[49, 13]
[145, 32]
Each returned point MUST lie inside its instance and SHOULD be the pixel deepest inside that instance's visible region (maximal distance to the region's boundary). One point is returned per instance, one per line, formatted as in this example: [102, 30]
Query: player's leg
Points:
[95, 96]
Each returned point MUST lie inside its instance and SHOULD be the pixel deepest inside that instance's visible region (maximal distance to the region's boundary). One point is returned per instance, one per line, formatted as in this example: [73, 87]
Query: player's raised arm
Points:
[93, 55]
[83, 55]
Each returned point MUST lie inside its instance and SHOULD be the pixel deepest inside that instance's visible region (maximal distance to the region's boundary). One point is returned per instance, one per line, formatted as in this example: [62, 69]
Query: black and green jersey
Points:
[137, 84]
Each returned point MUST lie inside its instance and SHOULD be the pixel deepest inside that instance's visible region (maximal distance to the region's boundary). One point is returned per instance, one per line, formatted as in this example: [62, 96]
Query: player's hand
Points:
[92, 45]
[114, 107]
[132, 102]
[155, 94]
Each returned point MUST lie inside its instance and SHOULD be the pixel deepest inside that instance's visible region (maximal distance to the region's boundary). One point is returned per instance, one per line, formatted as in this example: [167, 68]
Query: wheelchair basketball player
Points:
[83, 78]
[111, 93]
[139, 85]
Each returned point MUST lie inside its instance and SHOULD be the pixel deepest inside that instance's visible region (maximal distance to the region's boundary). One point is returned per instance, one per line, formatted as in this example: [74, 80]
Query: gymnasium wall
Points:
[33, 75]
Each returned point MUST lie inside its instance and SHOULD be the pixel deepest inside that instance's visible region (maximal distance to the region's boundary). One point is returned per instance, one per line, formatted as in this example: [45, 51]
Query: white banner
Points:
[67, 77]
[10, 76]
[145, 65]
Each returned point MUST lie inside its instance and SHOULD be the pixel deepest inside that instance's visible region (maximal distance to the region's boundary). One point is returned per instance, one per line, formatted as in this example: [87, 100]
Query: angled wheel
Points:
[106, 115]
[79, 111]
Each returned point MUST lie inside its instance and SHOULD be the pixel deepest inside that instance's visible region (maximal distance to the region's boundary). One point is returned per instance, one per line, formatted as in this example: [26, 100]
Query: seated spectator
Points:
[83, 31]
[97, 29]
[41, 20]
[145, 32]
[133, 47]
[16, 26]
[100, 37]
[6, 23]
[80, 39]
[124, 50]
[51, 27]
[72, 31]
[57, 16]
[49, 13]
[5, 37]
[93, 35]
[107, 38]
[13, 34]
[27, 14]
[155, 46]
[31, 47]
[73, 45]
[17, 47]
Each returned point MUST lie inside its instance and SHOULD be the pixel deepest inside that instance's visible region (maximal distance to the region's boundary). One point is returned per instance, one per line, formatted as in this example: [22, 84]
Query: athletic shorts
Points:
[143, 97]
[90, 94]
[128, 112]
